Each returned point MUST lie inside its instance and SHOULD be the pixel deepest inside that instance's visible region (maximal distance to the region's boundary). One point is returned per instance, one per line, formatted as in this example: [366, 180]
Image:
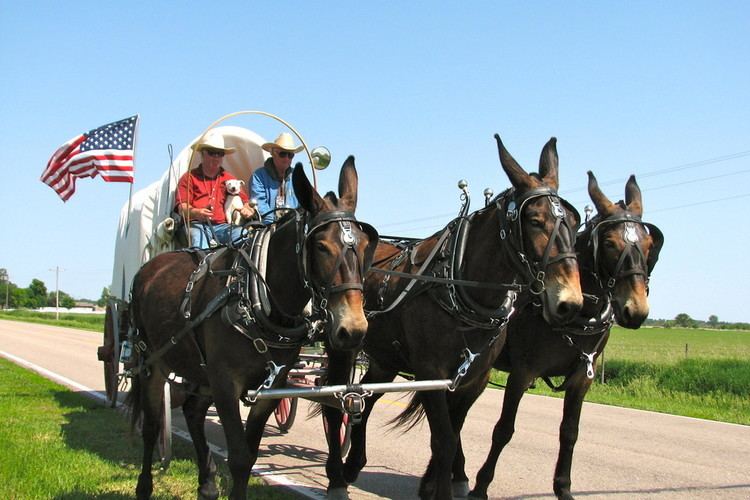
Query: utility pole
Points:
[57, 291]
[7, 287]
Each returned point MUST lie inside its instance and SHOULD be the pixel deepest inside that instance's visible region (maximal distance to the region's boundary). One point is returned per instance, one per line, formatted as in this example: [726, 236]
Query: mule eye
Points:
[537, 223]
[322, 247]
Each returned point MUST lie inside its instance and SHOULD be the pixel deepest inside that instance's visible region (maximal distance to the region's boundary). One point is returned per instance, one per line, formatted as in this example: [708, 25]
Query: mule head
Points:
[624, 251]
[337, 251]
[544, 227]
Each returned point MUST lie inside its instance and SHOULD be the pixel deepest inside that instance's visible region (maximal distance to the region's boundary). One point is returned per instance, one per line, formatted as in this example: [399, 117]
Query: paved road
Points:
[621, 454]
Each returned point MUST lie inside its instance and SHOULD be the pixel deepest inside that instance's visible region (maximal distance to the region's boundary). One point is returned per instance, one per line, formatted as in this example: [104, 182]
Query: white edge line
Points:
[269, 477]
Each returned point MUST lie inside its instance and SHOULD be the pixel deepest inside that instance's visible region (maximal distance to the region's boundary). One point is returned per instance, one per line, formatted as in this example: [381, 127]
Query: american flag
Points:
[107, 150]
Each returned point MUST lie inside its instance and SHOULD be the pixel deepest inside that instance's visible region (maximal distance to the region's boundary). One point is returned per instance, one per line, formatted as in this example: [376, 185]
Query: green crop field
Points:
[690, 372]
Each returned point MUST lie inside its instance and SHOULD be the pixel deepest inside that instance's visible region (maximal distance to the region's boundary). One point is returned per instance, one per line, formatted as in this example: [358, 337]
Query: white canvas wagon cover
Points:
[140, 232]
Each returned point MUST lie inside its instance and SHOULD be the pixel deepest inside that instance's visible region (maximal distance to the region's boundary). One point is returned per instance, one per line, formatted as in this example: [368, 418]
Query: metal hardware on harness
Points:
[274, 371]
[353, 403]
[347, 237]
[537, 286]
[587, 357]
[511, 213]
[469, 358]
[557, 209]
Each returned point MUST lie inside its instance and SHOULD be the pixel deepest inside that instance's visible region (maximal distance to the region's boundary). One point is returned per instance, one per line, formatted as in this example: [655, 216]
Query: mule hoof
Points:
[476, 496]
[208, 492]
[460, 489]
[337, 494]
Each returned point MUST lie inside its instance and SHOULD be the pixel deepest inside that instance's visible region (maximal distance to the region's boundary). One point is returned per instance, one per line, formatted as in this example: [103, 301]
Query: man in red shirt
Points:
[201, 195]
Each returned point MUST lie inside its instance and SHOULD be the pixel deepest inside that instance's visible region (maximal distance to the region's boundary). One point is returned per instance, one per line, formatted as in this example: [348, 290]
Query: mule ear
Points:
[633, 199]
[601, 202]
[348, 181]
[517, 175]
[308, 198]
[549, 163]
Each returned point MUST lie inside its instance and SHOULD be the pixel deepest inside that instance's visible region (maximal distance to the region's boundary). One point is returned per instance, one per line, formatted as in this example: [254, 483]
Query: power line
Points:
[652, 173]
[696, 203]
[684, 166]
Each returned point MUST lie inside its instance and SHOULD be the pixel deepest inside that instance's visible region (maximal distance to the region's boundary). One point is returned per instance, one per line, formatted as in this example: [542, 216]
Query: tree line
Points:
[37, 295]
[683, 320]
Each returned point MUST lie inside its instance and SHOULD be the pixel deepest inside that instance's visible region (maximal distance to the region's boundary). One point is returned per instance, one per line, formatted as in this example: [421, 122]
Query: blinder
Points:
[632, 242]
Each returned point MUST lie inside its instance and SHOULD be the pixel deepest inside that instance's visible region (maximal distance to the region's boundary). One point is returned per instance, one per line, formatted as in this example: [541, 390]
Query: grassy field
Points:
[93, 322]
[695, 373]
[58, 444]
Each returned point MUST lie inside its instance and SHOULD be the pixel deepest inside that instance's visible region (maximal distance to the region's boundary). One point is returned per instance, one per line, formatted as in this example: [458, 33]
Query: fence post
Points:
[601, 356]
[686, 351]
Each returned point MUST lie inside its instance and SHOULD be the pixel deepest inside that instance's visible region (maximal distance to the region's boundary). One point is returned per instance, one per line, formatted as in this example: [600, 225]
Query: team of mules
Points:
[510, 286]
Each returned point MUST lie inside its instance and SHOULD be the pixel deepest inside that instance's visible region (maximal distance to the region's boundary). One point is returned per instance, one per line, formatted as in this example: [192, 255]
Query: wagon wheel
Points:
[109, 353]
[285, 412]
[345, 433]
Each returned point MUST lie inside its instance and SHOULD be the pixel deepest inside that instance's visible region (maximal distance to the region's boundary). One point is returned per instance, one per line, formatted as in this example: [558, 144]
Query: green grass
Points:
[58, 444]
[93, 322]
[651, 369]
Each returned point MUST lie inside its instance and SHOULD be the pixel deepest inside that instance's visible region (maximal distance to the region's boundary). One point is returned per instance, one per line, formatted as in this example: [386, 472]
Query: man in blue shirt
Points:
[271, 185]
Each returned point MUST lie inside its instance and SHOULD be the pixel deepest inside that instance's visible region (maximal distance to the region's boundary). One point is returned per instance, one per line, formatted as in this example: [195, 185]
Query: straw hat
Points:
[283, 141]
[213, 140]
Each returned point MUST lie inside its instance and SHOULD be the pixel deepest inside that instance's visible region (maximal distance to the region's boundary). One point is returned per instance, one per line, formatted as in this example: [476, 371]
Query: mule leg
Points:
[195, 409]
[518, 382]
[227, 405]
[254, 427]
[436, 481]
[151, 390]
[357, 457]
[569, 434]
[460, 403]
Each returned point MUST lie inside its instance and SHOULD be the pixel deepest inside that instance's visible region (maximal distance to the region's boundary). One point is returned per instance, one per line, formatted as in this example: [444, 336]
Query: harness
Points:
[246, 301]
[446, 261]
[441, 272]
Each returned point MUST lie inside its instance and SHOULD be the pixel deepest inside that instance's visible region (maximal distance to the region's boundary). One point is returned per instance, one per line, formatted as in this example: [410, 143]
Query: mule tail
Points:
[133, 402]
[412, 415]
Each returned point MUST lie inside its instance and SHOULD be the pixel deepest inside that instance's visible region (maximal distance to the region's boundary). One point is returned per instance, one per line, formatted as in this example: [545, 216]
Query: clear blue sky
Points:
[415, 90]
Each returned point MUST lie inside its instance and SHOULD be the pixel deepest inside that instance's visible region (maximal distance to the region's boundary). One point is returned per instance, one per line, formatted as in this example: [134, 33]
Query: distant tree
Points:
[37, 294]
[684, 320]
[19, 297]
[713, 320]
[104, 298]
[66, 300]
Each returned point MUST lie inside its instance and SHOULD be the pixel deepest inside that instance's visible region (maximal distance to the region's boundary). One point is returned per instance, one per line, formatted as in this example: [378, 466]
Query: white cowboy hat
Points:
[212, 140]
[283, 141]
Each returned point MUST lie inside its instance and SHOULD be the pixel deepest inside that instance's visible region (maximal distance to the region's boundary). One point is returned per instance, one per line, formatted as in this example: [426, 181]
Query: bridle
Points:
[349, 241]
[511, 231]
[632, 260]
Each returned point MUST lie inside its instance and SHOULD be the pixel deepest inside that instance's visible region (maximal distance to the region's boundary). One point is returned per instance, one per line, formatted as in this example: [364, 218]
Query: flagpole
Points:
[130, 193]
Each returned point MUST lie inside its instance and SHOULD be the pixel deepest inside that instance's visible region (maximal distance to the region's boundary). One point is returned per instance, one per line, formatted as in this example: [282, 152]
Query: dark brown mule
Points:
[525, 236]
[616, 253]
[318, 252]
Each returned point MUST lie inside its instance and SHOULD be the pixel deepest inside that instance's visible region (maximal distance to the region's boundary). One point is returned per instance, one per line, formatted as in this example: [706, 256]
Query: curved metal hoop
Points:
[270, 115]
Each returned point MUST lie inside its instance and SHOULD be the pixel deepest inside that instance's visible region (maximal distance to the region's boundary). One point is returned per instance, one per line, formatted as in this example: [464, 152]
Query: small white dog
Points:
[233, 205]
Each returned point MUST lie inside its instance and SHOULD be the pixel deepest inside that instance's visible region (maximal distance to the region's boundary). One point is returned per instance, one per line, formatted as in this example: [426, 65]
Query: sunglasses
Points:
[285, 154]
[214, 154]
